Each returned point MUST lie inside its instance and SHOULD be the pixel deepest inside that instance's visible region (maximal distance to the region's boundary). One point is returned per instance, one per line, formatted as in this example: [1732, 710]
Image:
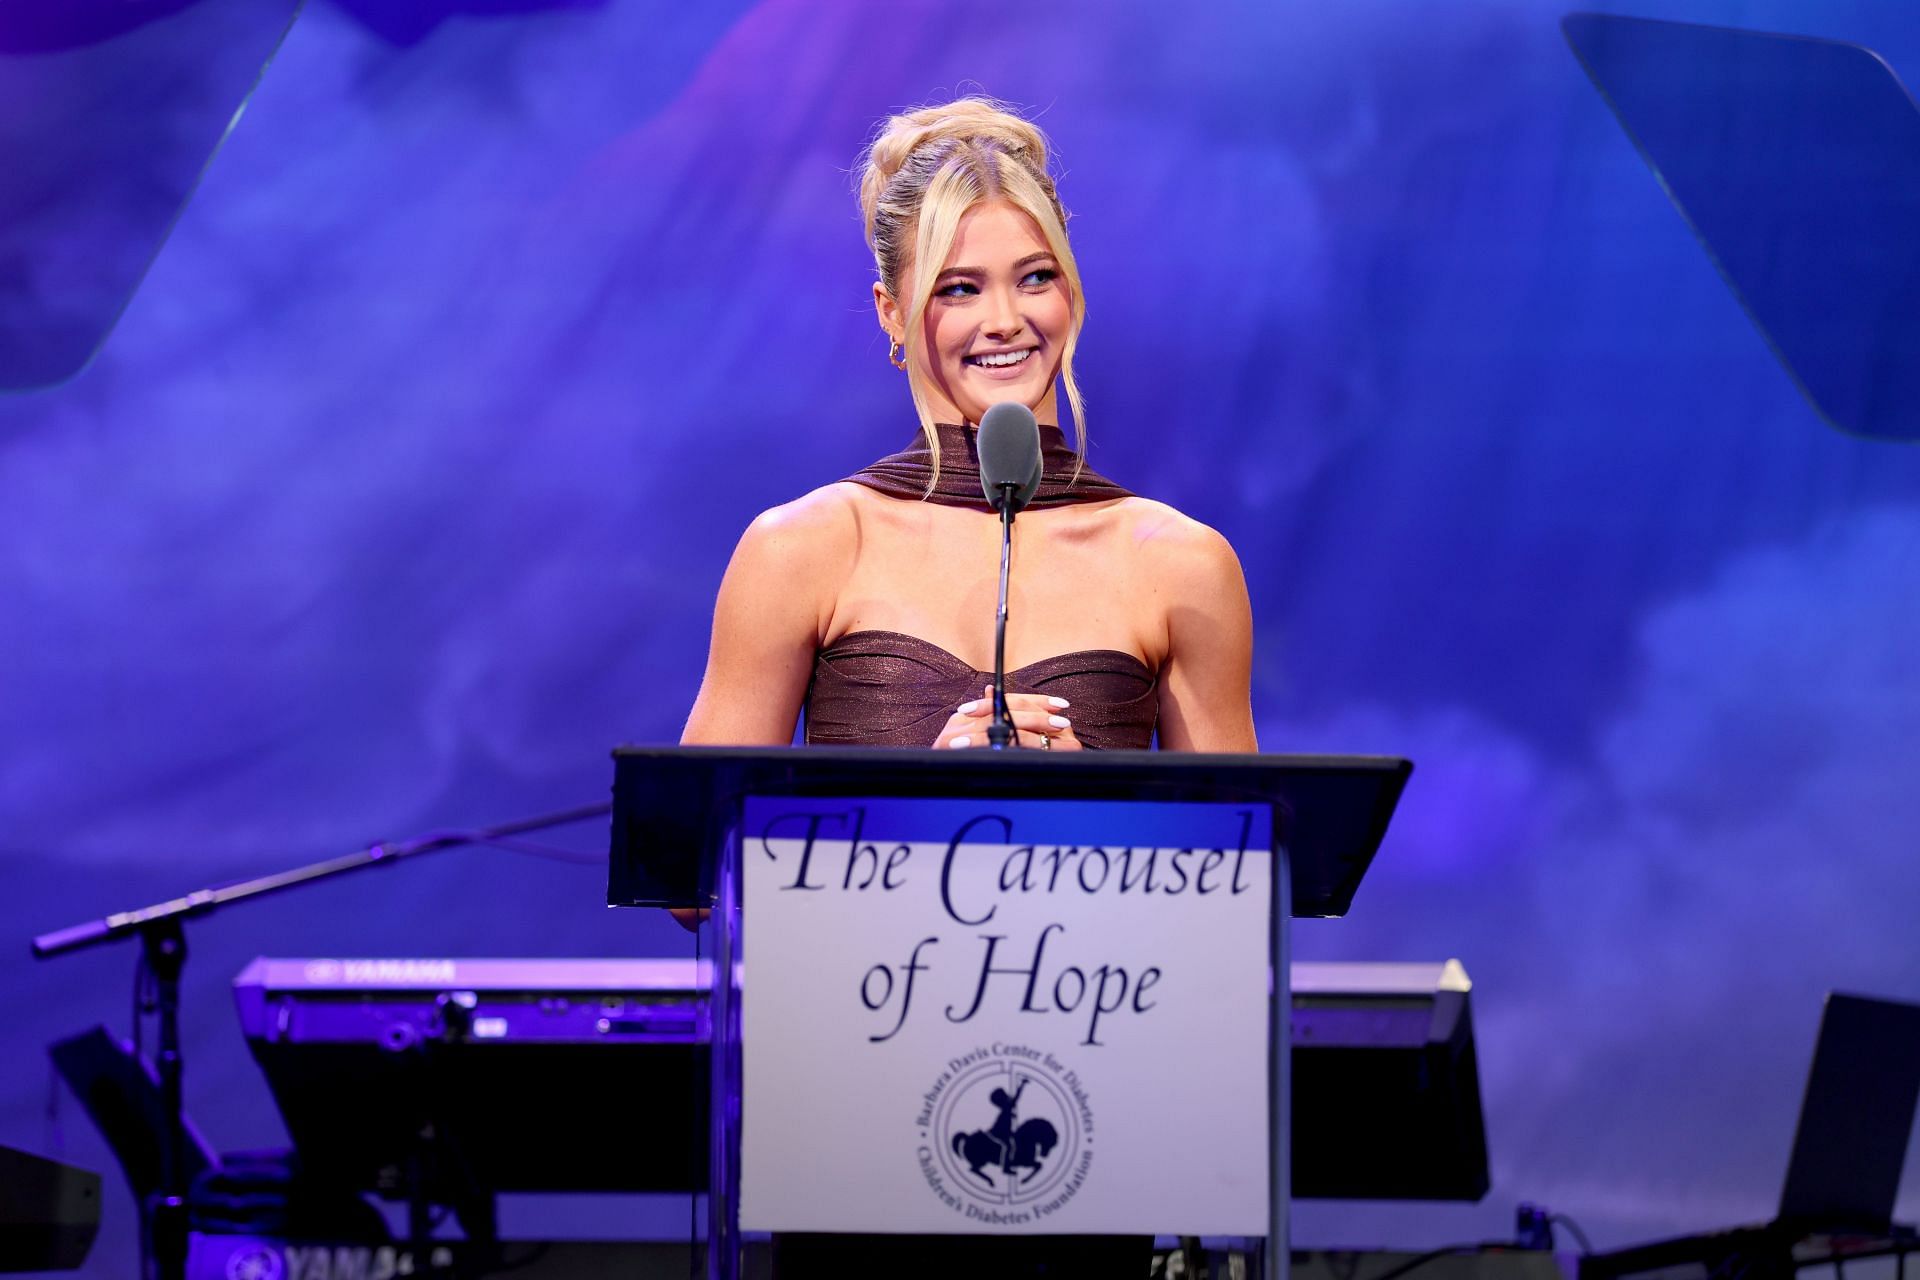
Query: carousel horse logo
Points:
[1007, 1148]
[1006, 1132]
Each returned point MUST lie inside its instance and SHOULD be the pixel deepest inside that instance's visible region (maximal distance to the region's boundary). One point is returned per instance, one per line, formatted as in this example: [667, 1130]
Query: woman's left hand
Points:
[1037, 723]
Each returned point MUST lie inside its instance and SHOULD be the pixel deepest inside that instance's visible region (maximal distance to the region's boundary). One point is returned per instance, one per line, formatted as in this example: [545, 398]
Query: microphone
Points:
[1009, 448]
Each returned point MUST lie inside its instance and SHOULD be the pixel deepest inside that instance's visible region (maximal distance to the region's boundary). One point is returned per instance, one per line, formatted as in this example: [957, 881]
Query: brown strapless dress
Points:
[886, 688]
[889, 689]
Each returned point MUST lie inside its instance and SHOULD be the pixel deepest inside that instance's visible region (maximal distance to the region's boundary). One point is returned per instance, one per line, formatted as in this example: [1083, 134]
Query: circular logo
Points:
[1010, 1130]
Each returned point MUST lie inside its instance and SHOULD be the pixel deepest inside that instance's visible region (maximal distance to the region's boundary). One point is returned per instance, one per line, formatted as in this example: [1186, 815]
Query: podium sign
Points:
[1005, 1016]
[1158, 1118]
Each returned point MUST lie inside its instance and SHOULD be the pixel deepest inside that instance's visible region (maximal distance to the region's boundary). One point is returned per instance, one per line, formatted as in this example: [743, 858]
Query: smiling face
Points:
[996, 325]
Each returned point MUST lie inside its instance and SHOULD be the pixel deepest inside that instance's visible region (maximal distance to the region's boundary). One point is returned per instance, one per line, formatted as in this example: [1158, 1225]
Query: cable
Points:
[139, 1010]
[551, 852]
[56, 1135]
[143, 1001]
[512, 844]
[1434, 1255]
[1573, 1229]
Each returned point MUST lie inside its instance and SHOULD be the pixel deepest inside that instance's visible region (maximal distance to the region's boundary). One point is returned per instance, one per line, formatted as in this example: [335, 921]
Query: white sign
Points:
[1004, 1017]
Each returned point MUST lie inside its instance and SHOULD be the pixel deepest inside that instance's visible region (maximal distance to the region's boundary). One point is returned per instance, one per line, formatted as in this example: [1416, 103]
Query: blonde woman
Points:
[868, 603]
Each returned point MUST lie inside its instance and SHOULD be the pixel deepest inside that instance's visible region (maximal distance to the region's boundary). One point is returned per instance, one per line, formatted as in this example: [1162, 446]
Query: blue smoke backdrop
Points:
[402, 490]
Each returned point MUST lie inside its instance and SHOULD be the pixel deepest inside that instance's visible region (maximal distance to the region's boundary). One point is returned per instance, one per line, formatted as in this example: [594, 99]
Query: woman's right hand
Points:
[1040, 721]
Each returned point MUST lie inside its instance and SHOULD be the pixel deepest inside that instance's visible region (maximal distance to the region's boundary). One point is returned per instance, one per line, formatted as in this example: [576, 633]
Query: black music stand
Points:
[676, 821]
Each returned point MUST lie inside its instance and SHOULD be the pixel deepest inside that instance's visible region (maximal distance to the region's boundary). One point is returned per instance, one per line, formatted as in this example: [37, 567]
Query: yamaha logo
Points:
[251, 1258]
[323, 971]
[1006, 1135]
[255, 1263]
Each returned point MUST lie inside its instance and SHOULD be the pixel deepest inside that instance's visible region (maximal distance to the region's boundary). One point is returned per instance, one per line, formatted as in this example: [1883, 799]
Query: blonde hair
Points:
[924, 170]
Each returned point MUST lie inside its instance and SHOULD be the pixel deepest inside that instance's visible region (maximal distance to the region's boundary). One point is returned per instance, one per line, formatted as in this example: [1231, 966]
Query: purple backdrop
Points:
[403, 488]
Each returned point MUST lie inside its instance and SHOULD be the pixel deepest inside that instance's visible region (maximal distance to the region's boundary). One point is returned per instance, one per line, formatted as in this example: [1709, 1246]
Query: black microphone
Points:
[1009, 448]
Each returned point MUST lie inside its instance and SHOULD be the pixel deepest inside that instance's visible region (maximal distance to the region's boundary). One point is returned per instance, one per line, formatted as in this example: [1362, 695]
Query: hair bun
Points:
[969, 119]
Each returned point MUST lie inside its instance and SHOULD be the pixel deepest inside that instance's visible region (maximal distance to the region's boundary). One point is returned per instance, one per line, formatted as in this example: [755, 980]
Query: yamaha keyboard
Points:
[579, 1075]
[401, 1003]
[461, 1078]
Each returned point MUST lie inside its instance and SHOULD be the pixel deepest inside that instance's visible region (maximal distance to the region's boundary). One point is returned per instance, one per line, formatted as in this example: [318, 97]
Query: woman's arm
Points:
[768, 623]
[1205, 680]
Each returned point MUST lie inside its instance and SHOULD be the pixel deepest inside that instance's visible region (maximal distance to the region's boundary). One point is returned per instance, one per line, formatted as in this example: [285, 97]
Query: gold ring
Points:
[1046, 742]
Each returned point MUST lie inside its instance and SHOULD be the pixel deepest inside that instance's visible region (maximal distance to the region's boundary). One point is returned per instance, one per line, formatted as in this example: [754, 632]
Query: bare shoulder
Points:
[1205, 629]
[1176, 549]
[789, 565]
[769, 617]
[815, 527]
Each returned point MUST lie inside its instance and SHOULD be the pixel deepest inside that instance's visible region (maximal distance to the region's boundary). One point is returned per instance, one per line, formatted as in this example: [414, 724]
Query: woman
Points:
[869, 603]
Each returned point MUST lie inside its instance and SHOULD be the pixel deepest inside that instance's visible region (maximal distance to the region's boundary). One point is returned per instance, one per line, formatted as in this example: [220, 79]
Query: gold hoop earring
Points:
[896, 355]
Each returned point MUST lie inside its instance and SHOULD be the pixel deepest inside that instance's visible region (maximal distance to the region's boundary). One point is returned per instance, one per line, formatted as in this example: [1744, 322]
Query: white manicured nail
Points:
[962, 741]
[1059, 702]
[1060, 722]
[968, 708]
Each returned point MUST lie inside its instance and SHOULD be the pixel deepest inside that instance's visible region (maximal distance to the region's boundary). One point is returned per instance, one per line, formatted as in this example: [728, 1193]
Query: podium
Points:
[965, 853]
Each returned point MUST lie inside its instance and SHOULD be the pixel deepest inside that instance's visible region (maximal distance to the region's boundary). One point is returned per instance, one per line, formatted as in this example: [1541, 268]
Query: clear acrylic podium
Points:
[678, 837]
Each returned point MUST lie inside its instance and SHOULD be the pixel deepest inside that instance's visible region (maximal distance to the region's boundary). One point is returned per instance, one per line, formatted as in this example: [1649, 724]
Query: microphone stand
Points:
[1001, 734]
[164, 1231]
